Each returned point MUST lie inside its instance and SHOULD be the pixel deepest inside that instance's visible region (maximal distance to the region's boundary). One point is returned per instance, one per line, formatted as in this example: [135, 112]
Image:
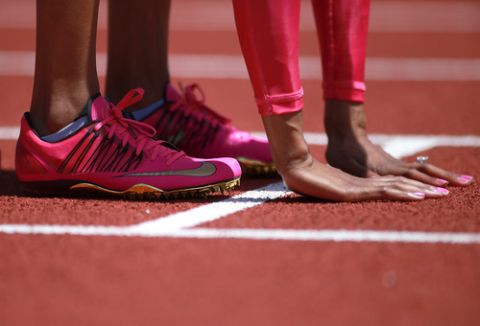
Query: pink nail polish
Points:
[465, 179]
[442, 191]
[416, 194]
[441, 182]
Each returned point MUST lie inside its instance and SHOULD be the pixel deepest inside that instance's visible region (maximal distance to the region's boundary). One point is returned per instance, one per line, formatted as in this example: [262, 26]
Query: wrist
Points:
[286, 139]
[344, 119]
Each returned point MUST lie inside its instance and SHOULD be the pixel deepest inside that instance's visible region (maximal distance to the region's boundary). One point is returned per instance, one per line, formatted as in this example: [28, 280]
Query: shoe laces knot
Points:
[193, 98]
[136, 133]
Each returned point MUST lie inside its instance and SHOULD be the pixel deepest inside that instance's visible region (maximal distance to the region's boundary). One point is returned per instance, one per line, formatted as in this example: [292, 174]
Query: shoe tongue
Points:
[98, 108]
[171, 94]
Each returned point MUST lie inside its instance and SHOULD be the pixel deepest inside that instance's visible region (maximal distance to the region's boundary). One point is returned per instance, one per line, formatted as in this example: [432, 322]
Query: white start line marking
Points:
[183, 224]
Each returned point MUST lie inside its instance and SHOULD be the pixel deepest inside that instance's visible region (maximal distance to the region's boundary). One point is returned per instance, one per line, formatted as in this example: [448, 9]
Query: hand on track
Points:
[350, 150]
[305, 175]
[315, 179]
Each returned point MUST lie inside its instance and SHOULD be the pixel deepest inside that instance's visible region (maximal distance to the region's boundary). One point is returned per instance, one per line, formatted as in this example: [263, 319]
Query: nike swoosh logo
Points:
[205, 170]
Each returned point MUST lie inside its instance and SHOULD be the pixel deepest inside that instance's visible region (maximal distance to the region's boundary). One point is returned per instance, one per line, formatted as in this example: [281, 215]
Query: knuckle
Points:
[347, 195]
[384, 190]
[351, 194]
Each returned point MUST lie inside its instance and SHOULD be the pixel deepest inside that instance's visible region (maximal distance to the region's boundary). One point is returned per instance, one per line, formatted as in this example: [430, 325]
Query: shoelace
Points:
[134, 132]
[196, 105]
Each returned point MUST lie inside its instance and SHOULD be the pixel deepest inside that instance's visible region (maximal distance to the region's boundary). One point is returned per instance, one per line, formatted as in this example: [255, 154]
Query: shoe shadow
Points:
[11, 186]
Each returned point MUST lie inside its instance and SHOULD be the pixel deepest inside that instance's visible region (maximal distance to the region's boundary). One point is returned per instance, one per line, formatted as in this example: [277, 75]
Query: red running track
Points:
[98, 280]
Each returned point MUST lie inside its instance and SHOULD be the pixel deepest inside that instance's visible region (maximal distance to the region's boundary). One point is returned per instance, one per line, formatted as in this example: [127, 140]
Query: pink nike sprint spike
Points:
[188, 123]
[116, 155]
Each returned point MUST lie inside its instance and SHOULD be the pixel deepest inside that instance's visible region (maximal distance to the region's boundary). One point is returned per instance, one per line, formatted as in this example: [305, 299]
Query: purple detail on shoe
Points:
[141, 114]
[67, 131]
[83, 119]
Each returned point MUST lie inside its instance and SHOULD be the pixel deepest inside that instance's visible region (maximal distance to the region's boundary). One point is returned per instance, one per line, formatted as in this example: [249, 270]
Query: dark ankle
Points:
[54, 113]
[344, 119]
[287, 142]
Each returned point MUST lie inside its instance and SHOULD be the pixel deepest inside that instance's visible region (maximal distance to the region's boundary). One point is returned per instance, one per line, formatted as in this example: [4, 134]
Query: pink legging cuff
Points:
[347, 91]
[280, 103]
[268, 32]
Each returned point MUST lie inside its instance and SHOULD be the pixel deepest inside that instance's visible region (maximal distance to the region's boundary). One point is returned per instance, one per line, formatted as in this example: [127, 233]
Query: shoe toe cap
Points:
[227, 168]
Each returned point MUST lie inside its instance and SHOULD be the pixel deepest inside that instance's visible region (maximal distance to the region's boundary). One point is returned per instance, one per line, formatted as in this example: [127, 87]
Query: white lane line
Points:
[318, 138]
[397, 147]
[333, 235]
[406, 147]
[395, 141]
[213, 211]
[391, 16]
[21, 63]
[210, 212]
[177, 225]
[9, 133]
[377, 68]
[418, 237]
[52, 229]
[189, 218]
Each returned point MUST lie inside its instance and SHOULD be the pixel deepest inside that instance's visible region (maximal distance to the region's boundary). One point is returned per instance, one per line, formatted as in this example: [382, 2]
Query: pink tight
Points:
[268, 32]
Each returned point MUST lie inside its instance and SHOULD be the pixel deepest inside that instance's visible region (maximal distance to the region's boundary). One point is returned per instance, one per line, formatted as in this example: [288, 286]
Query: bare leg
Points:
[138, 44]
[350, 149]
[65, 70]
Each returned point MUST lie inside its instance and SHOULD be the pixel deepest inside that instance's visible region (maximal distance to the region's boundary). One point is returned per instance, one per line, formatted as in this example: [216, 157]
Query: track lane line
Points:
[210, 212]
[182, 224]
[341, 235]
[216, 66]
[318, 138]
[9, 133]
[333, 235]
[214, 211]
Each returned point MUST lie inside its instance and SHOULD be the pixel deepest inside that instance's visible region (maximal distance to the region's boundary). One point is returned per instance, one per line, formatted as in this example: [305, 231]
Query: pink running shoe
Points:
[185, 121]
[103, 151]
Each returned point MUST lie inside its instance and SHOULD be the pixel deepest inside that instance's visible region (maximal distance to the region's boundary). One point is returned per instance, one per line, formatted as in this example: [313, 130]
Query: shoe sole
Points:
[252, 168]
[144, 191]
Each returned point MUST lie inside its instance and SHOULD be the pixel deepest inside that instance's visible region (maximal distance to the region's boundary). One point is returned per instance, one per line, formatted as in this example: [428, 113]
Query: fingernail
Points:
[416, 194]
[465, 179]
[440, 190]
[441, 182]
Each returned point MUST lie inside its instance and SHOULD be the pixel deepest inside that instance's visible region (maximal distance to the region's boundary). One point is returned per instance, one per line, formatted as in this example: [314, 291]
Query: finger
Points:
[393, 188]
[413, 186]
[417, 176]
[397, 194]
[387, 188]
[419, 184]
[452, 178]
[385, 194]
[411, 193]
[423, 177]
